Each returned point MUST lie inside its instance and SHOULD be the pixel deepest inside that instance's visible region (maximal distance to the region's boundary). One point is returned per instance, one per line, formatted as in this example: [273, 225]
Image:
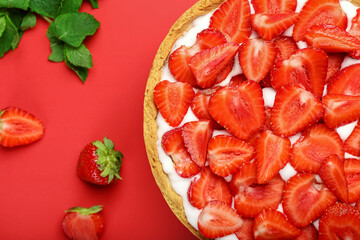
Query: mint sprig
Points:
[67, 29]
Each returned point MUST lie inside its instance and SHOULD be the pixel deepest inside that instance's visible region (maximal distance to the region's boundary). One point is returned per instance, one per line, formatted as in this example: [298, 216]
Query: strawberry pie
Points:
[251, 119]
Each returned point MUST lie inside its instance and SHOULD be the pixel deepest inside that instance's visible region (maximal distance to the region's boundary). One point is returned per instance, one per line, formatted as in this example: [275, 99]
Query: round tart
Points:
[272, 89]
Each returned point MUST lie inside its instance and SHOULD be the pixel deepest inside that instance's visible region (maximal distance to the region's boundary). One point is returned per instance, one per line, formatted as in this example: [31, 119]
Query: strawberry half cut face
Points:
[239, 110]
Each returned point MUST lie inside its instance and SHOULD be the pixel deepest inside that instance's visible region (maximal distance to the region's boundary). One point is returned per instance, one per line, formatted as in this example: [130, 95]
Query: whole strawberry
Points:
[99, 163]
[83, 223]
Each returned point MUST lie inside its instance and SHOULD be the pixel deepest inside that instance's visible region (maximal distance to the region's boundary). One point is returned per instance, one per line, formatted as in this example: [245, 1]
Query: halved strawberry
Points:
[286, 47]
[307, 67]
[352, 143]
[250, 198]
[232, 18]
[237, 80]
[270, 26]
[239, 110]
[305, 199]
[333, 175]
[346, 82]
[352, 173]
[256, 57]
[218, 219]
[271, 224]
[173, 100]
[308, 233]
[314, 146]
[331, 38]
[340, 109]
[226, 154]
[272, 153]
[200, 108]
[274, 6]
[246, 231]
[295, 109]
[315, 12]
[18, 127]
[196, 136]
[208, 187]
[209, 63]
[341, 221]
[334, 65]
[173, 145]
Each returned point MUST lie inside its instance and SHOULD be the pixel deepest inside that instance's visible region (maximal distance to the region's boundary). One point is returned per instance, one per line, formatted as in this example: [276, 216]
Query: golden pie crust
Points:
[174, 201]
[150, 111]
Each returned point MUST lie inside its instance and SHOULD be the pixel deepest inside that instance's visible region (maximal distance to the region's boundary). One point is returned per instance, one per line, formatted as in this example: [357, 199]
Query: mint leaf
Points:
[82, 72]
[70, 6]
[2, 25]
[29, 21]
[94, 3]
[46, 8]
[57, 46]
[80, 57]
[22, 4]
[9, 38]
[72, 28]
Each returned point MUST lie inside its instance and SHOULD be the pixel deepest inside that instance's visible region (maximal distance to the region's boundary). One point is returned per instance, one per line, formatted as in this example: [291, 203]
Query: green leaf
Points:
[46, 8]
[72, 28]
[57, 46]
[22, 4]
[9, 38]
[80, 71]
[94, 3]
[70, 6]
[86, 211]
[2, 25]
[29, 21]
[16, 16]
[80, 57]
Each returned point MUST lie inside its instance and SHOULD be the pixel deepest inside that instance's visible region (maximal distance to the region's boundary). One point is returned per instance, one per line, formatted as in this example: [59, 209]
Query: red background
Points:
[38, 182]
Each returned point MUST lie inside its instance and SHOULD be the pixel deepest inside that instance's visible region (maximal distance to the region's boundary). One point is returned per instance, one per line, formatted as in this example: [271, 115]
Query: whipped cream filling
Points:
[181, 185]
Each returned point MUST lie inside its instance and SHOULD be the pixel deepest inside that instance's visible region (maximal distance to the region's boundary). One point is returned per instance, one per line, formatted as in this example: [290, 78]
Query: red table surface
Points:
[38, 182]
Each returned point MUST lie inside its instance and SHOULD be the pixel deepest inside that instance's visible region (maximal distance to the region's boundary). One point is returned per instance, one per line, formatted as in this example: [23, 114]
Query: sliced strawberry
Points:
[308, 233]
[352, 143]
[286, 47]
[266, 126]
[209, 63]
[266, 82]
[307, 67]
[223, 75]
[256, 57]
[173, 100]
[341, 221]
[232, 18]
[209, 38]
[251, 198]
[226, 154]
[270, 26]
[196, 136]
[246, 231]
[346, 82]
[355, 32]
[314, 146]
[237, 80]
[173, 145]
[218, 219]
[272, 153]
[315, 12]
[333, 175]
[295, 109]
[334, 65]
[331, 38]
[200, 108]
[305, 199]
[274, 6]
[271, 224]
[340, 109]
[18, 127]
[352, 173]
[208, 187]
[239, 110]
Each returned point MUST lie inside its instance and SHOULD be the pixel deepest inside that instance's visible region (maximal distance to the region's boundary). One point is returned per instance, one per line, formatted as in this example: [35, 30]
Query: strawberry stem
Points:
[85, 211]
